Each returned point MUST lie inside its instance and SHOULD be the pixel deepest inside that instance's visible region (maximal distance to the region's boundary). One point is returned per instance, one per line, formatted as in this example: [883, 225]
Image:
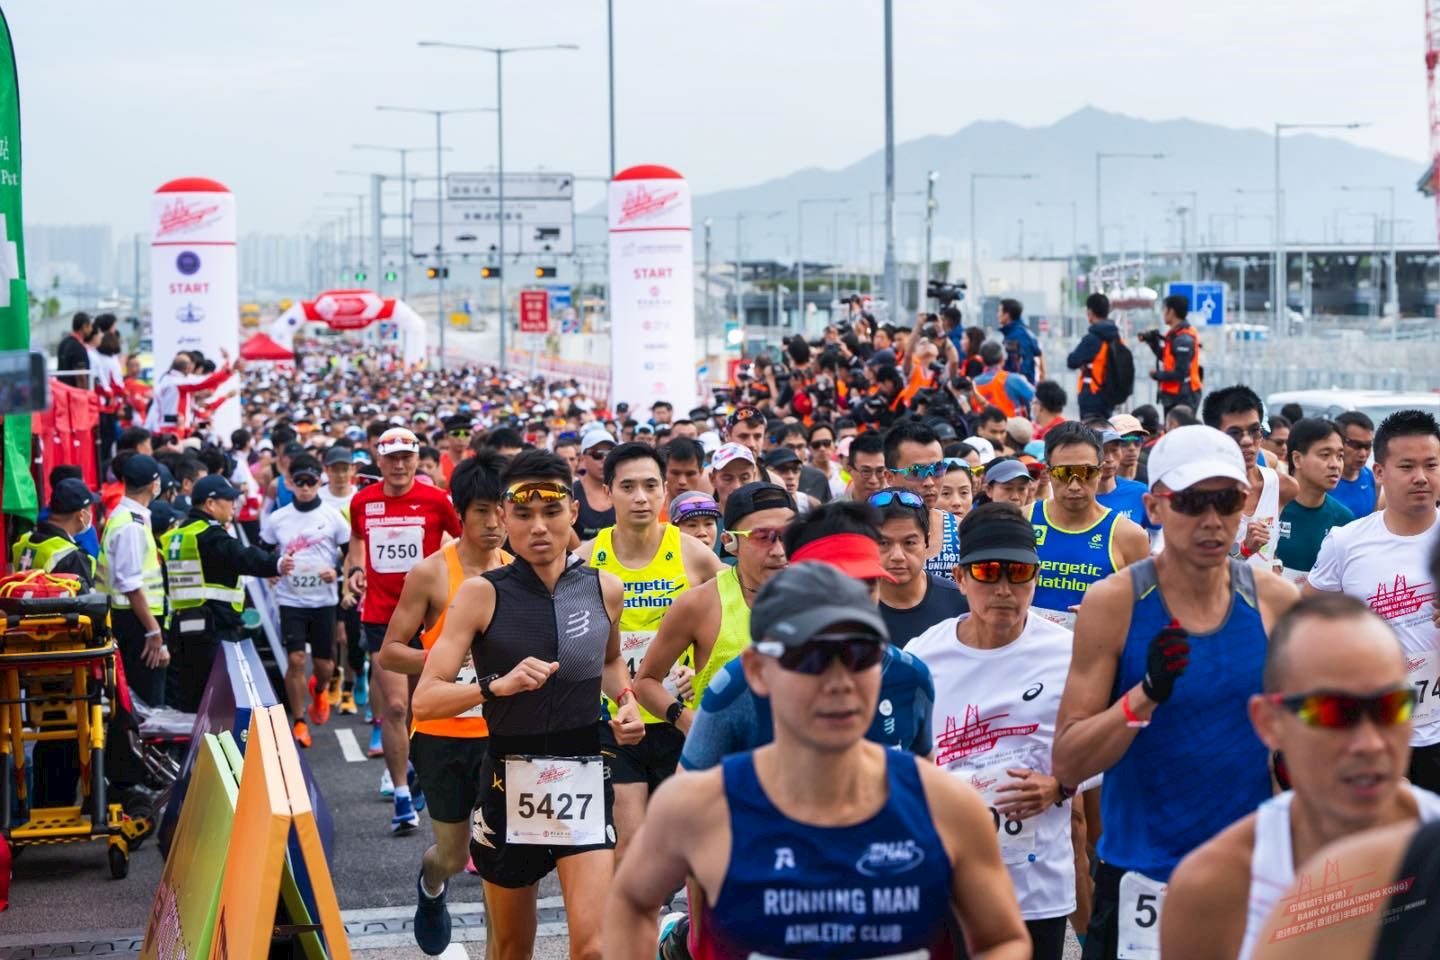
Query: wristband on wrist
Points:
[153, 633]
[1245, 551]
[621, 695]
[1132, 719]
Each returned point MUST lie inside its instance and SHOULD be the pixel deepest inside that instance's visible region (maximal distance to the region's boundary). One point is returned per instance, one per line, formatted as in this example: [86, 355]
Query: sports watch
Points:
[672, 712]
[484, 683]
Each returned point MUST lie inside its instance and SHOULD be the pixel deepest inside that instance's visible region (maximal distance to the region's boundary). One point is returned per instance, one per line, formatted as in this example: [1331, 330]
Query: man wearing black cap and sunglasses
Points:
[51, 545]
[1337, 708]
[820, 837]
[999, 672]
[714, 618]
[1181, 639]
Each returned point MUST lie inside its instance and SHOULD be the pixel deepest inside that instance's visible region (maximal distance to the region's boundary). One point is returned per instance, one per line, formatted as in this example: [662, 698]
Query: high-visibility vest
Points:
[1167, 361]
[31, 554]
[153, 582]
[994, 393]
[189, 587]
[1092, 374]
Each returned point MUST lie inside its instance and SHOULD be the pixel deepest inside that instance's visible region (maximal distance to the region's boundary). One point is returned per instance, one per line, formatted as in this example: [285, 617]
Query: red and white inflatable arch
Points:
[354, 310]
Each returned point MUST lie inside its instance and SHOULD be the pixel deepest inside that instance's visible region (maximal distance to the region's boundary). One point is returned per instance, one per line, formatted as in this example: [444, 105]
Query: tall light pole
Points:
[1099, 204]
[610, 40]
[404, 208]
[740, 261]
[358, 236]
[709, 315]
[930, 207]
[1194, 213]
[499, 53]
[1073, 262]
[975, 280]
[800, 253]
[892, 275]
[1280, 267]
[1392, 298]
[440, 115]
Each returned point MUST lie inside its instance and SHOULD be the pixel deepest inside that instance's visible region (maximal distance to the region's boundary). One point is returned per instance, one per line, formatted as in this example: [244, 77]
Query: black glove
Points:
[1168, 657]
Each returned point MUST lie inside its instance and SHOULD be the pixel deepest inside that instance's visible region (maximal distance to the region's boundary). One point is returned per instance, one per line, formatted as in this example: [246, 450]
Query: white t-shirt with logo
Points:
[1392, 574]
[996, 709]
[316, 537]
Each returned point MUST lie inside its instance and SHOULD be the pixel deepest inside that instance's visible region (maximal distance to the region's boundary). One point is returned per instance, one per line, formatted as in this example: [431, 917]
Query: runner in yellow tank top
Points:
[714, 620]
[447, 754]
[657, 564]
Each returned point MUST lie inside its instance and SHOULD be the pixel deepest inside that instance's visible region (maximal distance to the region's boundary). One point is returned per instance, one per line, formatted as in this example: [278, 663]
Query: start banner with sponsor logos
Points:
[194, 290]
[652, 289]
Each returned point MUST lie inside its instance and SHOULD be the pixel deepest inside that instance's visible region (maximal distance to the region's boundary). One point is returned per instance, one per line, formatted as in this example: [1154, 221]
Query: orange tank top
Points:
[471, 723]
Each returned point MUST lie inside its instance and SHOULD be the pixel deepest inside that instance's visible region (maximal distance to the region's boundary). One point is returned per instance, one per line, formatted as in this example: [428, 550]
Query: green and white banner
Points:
[18, 496]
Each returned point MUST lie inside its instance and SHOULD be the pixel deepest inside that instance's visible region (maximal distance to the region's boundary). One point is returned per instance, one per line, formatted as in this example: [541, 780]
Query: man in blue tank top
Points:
[1080, 542]
[1168, 653]
[820, 843]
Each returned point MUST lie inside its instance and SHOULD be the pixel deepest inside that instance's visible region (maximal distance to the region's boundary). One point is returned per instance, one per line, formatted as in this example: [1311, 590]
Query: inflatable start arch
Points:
[354, 310]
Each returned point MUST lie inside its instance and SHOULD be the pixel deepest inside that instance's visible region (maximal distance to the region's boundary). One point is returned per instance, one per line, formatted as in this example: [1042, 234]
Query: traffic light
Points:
[391, 276]
[489, 273]
[543, 272]
[437, 273]
[360, 276]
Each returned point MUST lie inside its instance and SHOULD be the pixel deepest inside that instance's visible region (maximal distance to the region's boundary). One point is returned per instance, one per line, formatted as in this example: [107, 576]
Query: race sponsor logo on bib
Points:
[396, 549]
[1017, 837]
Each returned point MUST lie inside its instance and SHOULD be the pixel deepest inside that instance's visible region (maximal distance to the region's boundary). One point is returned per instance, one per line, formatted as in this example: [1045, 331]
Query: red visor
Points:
[851, 553]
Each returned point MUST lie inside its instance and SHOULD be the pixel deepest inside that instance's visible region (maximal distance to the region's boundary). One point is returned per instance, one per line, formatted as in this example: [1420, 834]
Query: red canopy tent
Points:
[261, 347]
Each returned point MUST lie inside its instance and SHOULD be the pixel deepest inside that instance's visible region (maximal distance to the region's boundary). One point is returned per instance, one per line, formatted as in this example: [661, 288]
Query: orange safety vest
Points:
[1092, 374]
[994, 393]
[467, 728]
[1167, 361]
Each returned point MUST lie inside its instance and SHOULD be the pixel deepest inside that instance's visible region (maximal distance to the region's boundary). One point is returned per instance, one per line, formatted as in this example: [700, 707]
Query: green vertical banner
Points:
[18, 496]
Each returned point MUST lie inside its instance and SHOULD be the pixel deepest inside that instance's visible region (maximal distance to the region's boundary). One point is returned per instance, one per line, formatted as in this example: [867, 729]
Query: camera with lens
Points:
[1150, 337]
[945, 293]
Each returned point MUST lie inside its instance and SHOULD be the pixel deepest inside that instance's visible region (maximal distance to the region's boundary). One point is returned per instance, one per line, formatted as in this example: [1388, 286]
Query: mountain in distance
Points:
[1210, 160]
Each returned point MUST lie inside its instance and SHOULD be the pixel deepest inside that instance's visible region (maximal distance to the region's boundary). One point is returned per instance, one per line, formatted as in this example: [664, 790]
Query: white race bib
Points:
[1139, 919]
[307, 583]
[1064, 618]
[634, 644]
[555, 801]
[396, 549]
[1424, 675]
[1017, 837]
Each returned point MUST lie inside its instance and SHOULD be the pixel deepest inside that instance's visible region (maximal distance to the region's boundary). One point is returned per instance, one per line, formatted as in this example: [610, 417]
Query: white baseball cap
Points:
[400, 440]
[1185, 456]
[983, 448]
[593, 438]
[730, 452]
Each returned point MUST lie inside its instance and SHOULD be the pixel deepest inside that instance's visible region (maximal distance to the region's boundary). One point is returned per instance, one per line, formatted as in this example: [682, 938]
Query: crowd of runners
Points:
[876, 655]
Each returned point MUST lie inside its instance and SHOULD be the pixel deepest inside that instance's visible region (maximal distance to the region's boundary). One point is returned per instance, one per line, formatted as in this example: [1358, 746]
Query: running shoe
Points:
[347, 706]
[387, 786]
[319, 705]
[412, 779]
[432, 919]
[377, 749]
[332, 695]
[362, 686]
[302, 734]
[674, 936]
[405, 818]
[470, 866]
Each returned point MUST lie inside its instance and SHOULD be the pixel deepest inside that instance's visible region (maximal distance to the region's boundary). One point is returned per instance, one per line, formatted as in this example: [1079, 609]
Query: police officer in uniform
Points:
[51, 545]
[204, 564]
[130, 573]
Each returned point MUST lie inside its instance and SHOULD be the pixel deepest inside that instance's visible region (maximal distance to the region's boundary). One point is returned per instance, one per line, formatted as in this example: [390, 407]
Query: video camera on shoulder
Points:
[945, 293]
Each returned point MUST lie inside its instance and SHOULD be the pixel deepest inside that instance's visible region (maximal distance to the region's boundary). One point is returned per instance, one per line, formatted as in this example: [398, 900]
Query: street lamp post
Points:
[1194, 213]
[1280, 267]
[1392, 297]
[357, 236]
[892, 275]
[439, 115]
[800, 253]
[930, 208]
[1073, 262]
[975, 280]
[709, 315]
[404, 152]
[499, 53]
[1099, 204]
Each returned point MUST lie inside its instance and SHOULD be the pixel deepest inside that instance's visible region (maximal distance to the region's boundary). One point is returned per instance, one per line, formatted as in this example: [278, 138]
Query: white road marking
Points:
[349, 746]
[456, 951]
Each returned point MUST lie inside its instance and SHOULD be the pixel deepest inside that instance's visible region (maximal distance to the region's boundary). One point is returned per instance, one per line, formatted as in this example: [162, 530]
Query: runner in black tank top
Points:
[544, 637]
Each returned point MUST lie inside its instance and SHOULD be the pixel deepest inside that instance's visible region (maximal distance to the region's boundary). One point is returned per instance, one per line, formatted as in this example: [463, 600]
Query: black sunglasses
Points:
[857, 651]
[1193, 503]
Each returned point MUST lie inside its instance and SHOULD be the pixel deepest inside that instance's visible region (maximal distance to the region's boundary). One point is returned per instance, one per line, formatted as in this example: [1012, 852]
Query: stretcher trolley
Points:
[58, 665]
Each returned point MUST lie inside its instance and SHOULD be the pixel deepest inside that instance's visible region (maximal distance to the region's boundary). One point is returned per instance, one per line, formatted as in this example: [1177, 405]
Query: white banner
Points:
[194, 289]
[652, 290]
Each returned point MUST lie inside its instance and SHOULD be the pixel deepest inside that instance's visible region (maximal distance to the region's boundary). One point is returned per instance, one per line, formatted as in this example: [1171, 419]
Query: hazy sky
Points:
[267, 96]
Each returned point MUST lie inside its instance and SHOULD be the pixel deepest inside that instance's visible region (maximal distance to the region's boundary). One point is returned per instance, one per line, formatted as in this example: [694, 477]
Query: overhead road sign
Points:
[518, 186]
[532, 227]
